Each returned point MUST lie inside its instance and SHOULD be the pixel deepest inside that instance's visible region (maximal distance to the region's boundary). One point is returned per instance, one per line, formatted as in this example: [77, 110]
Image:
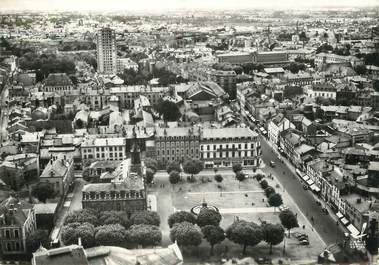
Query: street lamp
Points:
[284, 244]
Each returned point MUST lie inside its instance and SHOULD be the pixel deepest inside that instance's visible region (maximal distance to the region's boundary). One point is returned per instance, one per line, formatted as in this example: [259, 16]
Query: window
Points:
[16, 234]
[7, 234]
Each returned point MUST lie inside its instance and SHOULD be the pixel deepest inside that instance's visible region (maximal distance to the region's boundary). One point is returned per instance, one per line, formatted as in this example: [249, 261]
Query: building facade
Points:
[126, 192]
[59, 172]
[16, 223]
[225, 79]
[227, 146]
[175, 144]
[106, 52]
[113, 148]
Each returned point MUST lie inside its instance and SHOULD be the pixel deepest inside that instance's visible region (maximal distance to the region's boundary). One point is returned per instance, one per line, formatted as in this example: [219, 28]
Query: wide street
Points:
[324, 224]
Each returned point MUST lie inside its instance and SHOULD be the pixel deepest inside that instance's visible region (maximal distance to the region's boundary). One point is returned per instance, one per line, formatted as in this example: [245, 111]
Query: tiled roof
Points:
[58, 79]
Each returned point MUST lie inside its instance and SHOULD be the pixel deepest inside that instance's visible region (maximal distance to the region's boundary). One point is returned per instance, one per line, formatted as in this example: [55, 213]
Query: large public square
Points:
[235, 200]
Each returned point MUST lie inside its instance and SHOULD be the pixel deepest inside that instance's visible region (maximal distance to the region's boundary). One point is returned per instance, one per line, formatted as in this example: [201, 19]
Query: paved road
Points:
[3, 114]
[164, 203]
[324, 224]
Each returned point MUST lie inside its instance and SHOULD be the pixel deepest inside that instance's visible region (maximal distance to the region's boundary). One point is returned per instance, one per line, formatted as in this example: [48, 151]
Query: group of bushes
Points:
[112, 228]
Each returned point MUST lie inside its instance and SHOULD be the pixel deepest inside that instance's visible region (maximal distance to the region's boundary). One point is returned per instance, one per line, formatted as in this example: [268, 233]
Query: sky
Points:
[156, 5]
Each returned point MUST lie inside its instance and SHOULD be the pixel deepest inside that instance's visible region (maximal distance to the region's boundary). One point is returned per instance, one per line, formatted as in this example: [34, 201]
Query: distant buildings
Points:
[106, 52]
[59, 83]
[272, 58]
[126, 64]
[323, 59]
[226, 80]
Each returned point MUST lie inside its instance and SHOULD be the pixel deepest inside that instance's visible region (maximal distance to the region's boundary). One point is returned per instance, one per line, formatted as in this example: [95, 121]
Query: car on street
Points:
[325, 211]
[304, 242]
[305, 186]
[272, 163]
[283, 207]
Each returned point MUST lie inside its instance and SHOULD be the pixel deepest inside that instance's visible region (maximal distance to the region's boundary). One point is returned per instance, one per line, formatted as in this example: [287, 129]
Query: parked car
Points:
[318, 203]
[304, 242]
[325, 210]
[283, 207]
[302, 237]
[272, 164]
[305, 186]
[263, 260]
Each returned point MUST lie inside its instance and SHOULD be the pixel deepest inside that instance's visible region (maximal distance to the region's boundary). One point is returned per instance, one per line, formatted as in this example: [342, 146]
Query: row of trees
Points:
[190, 166]
[112, 228]
[274, 199]
[187, 230]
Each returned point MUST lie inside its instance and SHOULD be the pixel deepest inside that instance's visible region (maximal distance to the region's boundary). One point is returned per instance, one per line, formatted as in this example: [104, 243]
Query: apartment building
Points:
[17, 221]
[106, 51]
[59, 172]
[113, 148]
[227, 146]
[175, 144]
[225, 79]
[127, 94]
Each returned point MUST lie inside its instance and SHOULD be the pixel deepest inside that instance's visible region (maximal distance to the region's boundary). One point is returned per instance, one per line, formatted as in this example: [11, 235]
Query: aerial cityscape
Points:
[188, 132]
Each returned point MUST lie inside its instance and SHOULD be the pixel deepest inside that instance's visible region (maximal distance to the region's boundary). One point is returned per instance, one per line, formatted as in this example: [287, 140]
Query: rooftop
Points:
[223, 133]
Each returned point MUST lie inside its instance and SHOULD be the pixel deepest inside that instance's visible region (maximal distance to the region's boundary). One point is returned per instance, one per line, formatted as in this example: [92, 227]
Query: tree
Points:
[151, 163]
[259, 177]
[174, 177]
[149, 175]
[173, 166]
[181, 216]
[237, 168]
[360, 69]
[193, 167]
[208, 216]
[79, 124]
[275, 200]
[36, 239]
[169, 110]
[186, 234]
[273, 234]
[82, 216]
[269, 191]
[43, 191]
[213, 234]
[145, 217]
[264, 184]
[111, 235]
[288, 220]
[244, 233]
[219, 178]
[87, 176]
[71, 232]
[240, 176]
[114, 217]
[145, 235]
